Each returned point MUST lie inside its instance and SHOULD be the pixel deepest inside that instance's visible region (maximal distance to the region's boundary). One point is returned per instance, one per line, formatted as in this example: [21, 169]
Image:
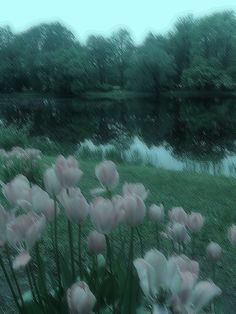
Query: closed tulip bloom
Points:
[67, 171]
[156, 213]
[37, 200]
[51, 182]
[76, 206]
[135, 189]
[134, 210]
[21, 260]
[80, 299]
[155, 272]
[177, 214]
[232, 235]
[17, 189]
[96, 243]
[179, 232]
[195, 222]
[202, 294]
[213, 252]
[186, 265]
[26, 228]
[107, 174]
[104, 215]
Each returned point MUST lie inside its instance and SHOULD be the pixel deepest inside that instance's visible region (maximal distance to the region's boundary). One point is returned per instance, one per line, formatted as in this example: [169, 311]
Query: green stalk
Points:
[130, 270]
[42, 281]
[36, 288]
[31, 284]
[80, 252]
[14, 276]
[10, 286]
[157, 235]
[140, 241]
[56, 246]
[109, 253]
[72, 258]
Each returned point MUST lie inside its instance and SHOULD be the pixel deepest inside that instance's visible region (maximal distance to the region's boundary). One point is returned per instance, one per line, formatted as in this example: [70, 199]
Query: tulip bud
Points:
[67, 171]
[195, 222]
[134, 210]
[21, 260]
[232, 235]
[17, 189]
[80, 299]
[179, 232]
[137, 189]
[51, 182]
[76, 206]
[104, 215]
[156, 213]
[177, 214]
[213, 252]
[96, 243]
[107, 174]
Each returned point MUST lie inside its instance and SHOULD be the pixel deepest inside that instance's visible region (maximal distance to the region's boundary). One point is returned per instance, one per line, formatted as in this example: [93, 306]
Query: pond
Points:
[174, 133]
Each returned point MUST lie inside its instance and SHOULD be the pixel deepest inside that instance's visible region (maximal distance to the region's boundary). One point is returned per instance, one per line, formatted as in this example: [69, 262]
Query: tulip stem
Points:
[72, 259]
[10, 286]
[80, 252]
[109, 252]
[56, 245]
[14, 276]
[130, 270]
[157, 235]
[140, 241]
[41, 275]
[30, 284]
[36, 287]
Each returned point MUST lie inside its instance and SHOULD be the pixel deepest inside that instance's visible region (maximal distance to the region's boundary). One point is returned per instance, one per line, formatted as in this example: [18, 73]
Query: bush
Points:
[13, 135]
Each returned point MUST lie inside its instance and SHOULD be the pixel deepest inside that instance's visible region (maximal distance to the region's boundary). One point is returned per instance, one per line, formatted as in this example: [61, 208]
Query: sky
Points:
[85, 17]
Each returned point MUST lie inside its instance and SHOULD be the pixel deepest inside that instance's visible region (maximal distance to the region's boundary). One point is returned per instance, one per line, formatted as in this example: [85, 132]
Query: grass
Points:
[214, 197]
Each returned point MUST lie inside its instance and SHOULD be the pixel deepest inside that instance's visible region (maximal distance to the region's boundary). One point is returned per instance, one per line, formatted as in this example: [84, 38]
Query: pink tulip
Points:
[26, 229]
[80, 299]
[232, 235]
[213, 252]
[179, 232]
[76, 206]
[51, 182]
[186, 265]
[37, 200]
[104, 215]
[177, 214]
[96, 243]
[202, 294]
[67, 171]
[21, 260]
[134, 210]
[16, 190]
[156, 213]
[195, 222]
[107, 174]
[135, 189]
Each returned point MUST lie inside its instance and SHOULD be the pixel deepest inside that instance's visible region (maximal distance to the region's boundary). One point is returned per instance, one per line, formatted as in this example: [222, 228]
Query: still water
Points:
[182, 134]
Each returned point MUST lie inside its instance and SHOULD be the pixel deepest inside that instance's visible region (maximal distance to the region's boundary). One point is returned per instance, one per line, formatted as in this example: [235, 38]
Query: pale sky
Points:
[85, 17]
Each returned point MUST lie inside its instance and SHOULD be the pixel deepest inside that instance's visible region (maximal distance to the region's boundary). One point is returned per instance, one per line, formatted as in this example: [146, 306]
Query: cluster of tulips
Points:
[101, 271]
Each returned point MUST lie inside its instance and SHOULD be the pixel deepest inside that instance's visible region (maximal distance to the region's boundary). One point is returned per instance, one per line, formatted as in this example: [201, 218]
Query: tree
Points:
[122, 47]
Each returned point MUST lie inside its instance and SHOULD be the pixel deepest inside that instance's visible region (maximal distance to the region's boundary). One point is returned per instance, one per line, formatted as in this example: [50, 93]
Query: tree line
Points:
[197, 54]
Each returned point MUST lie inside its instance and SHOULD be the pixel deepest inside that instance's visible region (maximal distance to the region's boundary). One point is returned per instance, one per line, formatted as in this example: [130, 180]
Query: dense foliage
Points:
[196, 54]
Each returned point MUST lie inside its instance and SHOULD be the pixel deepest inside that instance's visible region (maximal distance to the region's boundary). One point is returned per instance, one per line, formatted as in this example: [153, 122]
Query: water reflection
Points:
[193, 134]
